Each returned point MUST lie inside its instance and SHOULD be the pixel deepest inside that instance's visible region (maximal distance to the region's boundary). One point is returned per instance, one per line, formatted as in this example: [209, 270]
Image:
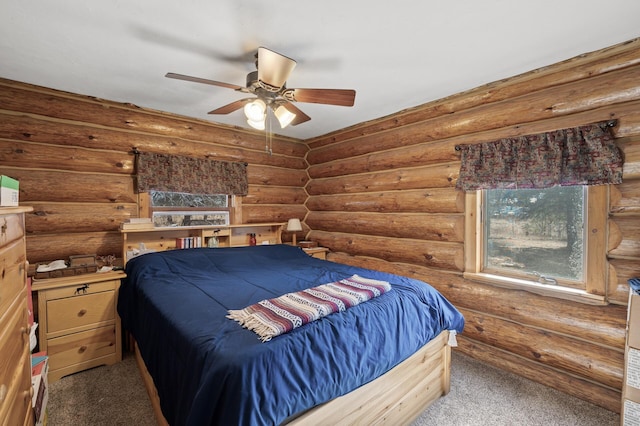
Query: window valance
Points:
[585, 155]
[163, 172]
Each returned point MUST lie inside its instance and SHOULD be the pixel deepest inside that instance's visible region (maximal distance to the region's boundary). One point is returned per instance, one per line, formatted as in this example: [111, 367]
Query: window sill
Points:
[558, 292]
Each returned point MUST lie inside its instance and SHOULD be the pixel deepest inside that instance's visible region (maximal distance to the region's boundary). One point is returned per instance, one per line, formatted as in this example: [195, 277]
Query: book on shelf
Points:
[188, 242]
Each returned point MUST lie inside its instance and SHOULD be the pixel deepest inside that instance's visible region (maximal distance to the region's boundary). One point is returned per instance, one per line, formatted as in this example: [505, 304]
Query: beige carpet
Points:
[480, 395]
[109, 395]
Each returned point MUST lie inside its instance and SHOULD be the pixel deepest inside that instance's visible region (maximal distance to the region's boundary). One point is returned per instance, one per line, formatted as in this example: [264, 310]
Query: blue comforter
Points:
[209, 370]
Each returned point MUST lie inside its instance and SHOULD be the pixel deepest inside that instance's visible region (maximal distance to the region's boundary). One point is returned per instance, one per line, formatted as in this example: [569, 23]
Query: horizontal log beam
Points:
[440, 176]
[619, 272]
[347, 163]
[259, 194]
[43, 248]
[73, 159]
[629, 237]
[77, 217]
[429, 253]
[267, 175]
[625, 198]
[434, 227]
[58, 186]
[258, 213]
[432, 200]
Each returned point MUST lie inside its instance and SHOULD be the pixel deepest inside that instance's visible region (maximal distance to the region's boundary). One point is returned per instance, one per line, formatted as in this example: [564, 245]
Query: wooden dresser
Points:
[79, 326]
[15, 356]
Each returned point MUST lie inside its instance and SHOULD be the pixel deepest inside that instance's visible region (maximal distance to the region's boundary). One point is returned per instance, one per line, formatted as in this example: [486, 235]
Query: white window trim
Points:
[595, 261]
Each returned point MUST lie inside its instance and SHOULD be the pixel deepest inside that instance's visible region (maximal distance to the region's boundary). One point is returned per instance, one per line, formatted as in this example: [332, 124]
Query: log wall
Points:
[379, 195]
[73, 156]
[382, 195]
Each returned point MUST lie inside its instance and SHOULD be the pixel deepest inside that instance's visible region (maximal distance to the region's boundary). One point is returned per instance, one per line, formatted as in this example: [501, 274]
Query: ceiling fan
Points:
[268, 84]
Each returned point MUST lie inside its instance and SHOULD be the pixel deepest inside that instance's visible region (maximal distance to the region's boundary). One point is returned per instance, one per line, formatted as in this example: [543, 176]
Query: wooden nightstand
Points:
[319, 252]
[78, 323]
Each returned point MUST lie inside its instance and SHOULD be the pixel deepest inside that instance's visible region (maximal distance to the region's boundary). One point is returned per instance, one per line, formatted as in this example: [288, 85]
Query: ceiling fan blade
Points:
[204, 80]
[301, 117]
[341, 97]
[273, 69]
[233, 106]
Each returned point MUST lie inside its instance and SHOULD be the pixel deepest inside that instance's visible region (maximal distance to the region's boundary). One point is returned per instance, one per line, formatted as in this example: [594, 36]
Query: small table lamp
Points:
[294, 225]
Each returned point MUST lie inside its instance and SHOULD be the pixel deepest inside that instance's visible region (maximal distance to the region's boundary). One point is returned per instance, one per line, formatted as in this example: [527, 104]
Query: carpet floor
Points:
[480, 395]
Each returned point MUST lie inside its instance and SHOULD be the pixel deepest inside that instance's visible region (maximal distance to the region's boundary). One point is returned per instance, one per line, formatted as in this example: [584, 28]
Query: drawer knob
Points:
[3, 392]
[82, 349]
[82, 312]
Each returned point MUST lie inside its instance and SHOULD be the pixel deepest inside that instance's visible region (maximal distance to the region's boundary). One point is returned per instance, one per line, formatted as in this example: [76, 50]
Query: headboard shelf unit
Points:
[136, 241]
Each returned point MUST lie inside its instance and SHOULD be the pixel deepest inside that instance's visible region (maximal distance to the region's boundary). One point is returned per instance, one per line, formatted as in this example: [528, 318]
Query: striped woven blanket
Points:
[272, 317]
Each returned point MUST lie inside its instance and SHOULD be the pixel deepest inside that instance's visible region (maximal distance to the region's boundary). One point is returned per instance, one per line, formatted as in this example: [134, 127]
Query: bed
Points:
[384, 359]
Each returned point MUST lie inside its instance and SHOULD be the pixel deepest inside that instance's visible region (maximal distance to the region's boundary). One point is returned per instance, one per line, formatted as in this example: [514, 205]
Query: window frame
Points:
[146, 209]
[596, 265]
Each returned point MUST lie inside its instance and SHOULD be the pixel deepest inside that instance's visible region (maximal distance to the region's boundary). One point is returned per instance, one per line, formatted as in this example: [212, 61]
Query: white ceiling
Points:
[395, 55]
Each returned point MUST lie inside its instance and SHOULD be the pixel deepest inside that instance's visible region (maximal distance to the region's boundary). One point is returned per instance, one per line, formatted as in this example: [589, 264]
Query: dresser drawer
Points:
[18, 399]
[81, 347]
[11, 228]
[80, 311]
[14, 347]
[12, 271]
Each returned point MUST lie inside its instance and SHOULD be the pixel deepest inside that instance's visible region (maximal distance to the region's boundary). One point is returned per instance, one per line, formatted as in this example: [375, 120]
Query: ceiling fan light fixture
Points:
[284, 116]
[255, 111]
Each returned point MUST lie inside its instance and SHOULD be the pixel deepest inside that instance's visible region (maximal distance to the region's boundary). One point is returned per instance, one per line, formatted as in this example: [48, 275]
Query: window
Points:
[550, 241]
[182, 209]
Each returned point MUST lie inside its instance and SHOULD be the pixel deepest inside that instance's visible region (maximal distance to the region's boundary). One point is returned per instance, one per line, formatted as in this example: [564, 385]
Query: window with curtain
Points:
[537, 208]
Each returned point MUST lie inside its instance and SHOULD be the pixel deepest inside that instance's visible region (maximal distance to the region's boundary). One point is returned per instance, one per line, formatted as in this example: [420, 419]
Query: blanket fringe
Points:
[250, 322]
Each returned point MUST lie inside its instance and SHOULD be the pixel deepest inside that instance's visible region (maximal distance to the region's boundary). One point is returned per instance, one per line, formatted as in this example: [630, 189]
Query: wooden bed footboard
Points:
[397, 397]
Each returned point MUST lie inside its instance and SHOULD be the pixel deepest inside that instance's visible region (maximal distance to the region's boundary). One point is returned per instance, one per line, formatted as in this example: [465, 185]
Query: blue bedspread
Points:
[210, 370]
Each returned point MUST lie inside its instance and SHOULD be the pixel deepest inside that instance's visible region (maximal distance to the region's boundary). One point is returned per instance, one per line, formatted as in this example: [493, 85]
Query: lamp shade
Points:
[255, 110]
[284, 116]
[258, 124]
[294, 225]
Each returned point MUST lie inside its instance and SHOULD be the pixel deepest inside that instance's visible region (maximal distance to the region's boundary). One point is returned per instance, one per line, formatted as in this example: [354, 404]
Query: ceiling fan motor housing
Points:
[254, 83]
[258, 88]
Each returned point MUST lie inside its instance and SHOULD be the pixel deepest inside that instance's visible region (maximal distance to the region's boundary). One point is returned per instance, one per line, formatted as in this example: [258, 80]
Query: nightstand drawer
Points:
[81, 289]
[80, 347]
[80, 311]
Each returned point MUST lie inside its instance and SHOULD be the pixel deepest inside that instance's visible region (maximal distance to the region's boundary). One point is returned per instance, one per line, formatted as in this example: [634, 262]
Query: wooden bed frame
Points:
[396, 397]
